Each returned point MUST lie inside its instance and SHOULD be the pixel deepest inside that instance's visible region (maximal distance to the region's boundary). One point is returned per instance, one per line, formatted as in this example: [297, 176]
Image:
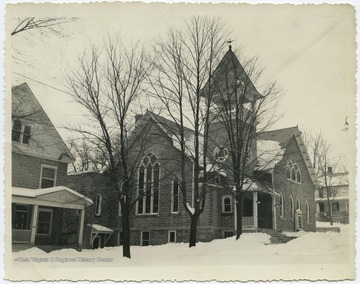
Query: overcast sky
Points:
[309, 50]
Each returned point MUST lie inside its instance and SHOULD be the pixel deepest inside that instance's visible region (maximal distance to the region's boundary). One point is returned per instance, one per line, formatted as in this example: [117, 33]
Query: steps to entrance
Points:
[276, 236]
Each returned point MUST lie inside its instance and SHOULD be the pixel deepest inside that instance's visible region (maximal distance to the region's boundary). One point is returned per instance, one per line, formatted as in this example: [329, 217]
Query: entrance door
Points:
[264, 211]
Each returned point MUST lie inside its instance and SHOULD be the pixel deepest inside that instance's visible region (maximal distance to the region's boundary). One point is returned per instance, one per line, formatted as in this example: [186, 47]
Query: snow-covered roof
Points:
[269, 153]
[284, 136]
[336, 179]
[252, 185]
[102, 229]
[42, 192]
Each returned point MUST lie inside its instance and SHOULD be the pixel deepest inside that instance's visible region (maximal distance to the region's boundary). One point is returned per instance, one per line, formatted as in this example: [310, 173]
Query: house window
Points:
[281, 205]
[145, 239]
[21, 133]
[321, 207]
[44, 221]
[218, 180]
[172, 237]
[21, 217]
[228, 234]
[226, 204]
[48, 176]
[292, 171]
[307, 209]
[98, 202]
[175, 196]
[321, 193]
[335, 207]
[148, 185]
[292, 213]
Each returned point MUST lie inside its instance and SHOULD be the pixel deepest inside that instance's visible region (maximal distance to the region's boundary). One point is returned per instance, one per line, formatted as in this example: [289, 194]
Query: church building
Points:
[279, 191]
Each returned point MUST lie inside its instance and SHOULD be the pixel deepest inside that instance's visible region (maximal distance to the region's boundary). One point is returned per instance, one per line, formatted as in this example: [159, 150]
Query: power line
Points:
[302, 50]
[47, 85]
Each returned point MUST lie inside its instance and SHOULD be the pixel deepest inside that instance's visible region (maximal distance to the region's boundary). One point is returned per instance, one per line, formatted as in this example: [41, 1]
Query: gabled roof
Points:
[45, 140]
[229, 77]
[283, 137]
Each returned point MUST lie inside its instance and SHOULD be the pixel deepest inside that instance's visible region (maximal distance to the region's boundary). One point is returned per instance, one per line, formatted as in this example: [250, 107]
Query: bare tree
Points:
[329, 170]
[186, 59]
[49, 24]
[108, 84]
[242, 113]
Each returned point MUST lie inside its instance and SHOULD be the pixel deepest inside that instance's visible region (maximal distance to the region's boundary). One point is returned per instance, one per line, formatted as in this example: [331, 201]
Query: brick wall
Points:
[304, 190]
[26, 171]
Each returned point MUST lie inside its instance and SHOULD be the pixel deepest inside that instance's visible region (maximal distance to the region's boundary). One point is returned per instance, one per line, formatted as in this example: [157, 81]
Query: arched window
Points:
[98, 205]
[148, 185]
[281, 205]
[298, 204]
[292, 211]
[226, 204]
[292, 171]
[307, 209]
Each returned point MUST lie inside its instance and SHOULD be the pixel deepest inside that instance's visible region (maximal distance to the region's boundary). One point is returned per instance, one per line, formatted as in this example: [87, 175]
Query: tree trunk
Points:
[239, 214]
[193, 226]
[126, 235]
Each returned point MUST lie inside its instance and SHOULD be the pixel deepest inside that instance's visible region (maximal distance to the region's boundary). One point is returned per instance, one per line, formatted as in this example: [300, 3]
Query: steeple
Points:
[229, 80]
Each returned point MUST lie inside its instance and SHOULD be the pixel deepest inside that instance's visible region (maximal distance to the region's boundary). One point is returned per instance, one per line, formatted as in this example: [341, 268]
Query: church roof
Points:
[283, 137]
[229, 79]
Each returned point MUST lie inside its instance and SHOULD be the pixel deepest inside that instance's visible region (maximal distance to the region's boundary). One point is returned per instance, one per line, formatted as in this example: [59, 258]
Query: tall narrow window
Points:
[148, 185]
[281, 205]
[48, 176]
[321, 207]
[44, 221]
[145, 239]
[307, 209]
[298, 204]
[119, 209]
[16, 131]
[98, 205]
[292, 213]
[175, 196]
[26, 136]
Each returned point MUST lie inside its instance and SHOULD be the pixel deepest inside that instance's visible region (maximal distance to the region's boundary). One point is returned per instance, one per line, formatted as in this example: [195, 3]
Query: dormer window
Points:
[21, 133]
[293, 171]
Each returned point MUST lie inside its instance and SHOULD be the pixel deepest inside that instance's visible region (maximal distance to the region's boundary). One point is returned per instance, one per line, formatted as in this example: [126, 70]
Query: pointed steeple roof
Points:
[230, 79]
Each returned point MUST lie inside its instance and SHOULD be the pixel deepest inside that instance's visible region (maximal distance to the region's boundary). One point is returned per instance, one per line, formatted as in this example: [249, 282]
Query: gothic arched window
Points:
[148, 185]
[292, 171]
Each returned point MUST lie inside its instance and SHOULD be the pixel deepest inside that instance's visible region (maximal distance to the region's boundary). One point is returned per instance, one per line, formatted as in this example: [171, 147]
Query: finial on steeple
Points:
[229, 42]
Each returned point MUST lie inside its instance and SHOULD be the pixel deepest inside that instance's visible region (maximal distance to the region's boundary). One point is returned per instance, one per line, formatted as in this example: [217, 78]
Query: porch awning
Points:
[101, 229]
[255, 186]
[59, 196]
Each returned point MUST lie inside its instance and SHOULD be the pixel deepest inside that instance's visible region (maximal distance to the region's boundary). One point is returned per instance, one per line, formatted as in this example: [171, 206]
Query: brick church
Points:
[280, 196]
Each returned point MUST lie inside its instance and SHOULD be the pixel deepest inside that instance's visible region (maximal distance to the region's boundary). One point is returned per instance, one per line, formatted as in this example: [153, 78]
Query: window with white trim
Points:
[292, 171]
[145, 238]
[98, 202]
[282, 205]
[175, 196]
[21, 217]
[48, 176]
[292, 212]
[172, 237]
[307, 210]
[227, 204]
[20, 132]
[44, 221]
[148, 185]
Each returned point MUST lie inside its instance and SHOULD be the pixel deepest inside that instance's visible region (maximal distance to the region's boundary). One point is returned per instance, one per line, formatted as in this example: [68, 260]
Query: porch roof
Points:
[101, 229]
[59, 196]
[251, 185]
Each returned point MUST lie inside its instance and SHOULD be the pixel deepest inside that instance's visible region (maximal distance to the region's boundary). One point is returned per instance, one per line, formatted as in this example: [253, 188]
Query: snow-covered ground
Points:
[327, 255]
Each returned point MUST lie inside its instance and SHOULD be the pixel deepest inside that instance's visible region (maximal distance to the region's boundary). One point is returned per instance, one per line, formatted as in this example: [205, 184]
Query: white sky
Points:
[317, 42]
